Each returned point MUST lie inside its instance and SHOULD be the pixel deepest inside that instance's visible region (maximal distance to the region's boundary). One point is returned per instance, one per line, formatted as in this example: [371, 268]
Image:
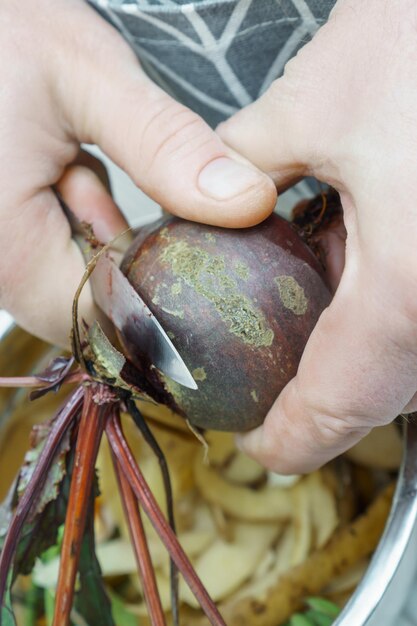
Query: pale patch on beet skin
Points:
[292, 294]
[199, 374]
[192, 265]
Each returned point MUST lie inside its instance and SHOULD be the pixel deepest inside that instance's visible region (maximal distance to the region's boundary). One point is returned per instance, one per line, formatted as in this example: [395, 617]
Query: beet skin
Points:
[239, 306]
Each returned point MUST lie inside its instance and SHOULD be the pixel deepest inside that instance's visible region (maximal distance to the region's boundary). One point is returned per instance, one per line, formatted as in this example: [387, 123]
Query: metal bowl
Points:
[384, 587]
[382, 592]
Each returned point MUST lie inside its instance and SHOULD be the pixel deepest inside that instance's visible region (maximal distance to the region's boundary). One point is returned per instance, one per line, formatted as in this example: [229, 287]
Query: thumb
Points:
[168, 150]
[358, 371]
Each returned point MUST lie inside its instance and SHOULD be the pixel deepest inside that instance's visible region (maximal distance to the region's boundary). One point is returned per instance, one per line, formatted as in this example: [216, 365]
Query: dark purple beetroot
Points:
[239, 305]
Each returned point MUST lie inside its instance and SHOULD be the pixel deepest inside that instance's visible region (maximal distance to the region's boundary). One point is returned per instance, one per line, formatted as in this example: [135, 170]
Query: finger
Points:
[39, 277]
[359, 370]
[95, 165]
[89, 199]
[85, 189]
[168, 150]
[38, 285]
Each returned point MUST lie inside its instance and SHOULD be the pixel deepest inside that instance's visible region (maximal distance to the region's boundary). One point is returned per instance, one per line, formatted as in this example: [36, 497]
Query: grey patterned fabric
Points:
[215, 56]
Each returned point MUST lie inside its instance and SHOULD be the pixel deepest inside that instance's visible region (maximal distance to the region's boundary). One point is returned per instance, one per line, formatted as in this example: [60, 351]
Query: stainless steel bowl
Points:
[382, 591]
[384, 588]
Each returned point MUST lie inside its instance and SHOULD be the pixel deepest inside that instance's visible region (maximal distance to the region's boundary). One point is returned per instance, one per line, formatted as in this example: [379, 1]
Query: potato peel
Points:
[348, 546]
[265, 504]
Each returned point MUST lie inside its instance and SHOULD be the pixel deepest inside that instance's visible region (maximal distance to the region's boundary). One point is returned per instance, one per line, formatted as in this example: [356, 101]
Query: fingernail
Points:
[224, 178]
[103, 231]
[119, 237]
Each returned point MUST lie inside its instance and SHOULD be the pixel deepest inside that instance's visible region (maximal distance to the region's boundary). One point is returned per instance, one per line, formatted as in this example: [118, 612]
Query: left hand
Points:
[345, 111]
[67, 78]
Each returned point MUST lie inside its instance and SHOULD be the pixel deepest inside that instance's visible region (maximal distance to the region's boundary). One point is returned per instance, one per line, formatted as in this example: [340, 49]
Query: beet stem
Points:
[141, 489]
[140, 545]
[38, 383]
[88, 442]
[21, 381]
[63, 420]
[152, 442]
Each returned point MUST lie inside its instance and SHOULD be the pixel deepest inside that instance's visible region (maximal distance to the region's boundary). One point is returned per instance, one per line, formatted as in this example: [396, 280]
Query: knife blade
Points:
[127, 311]
[135, 321]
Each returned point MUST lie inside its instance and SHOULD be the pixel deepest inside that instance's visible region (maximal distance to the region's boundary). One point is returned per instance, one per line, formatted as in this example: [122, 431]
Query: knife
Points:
[127, 311]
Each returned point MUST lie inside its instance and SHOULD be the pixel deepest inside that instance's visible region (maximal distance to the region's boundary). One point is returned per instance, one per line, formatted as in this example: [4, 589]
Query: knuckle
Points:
[297, 82]
[329, 431]
[333, 419]
[172, 130]
[290, 100]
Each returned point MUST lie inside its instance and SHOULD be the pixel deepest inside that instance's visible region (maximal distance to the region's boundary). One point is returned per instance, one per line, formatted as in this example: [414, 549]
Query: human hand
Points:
[68, 77]
[345, 111]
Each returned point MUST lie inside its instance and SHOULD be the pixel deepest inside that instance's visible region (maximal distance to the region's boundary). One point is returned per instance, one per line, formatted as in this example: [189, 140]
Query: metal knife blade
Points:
[132, 317]
[125, 308]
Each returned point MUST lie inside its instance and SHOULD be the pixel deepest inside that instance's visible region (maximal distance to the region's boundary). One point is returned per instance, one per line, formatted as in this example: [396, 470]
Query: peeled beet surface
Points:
[239, 306]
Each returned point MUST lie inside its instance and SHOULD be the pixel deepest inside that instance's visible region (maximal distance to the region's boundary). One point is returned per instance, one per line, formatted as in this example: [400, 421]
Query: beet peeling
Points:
[239, 306]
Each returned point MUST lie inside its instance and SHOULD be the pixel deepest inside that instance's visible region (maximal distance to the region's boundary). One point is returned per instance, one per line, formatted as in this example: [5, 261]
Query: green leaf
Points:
[56, 474]
[323, 606]
[91, 599]
[49, 604]
[91, 603]
[6, 613]
[7, 616]
[319, 619]
[121, 615]
[53, 552]
[299, 619]
[42, 532]
[32, 605]
[6, 512]
[35, 538]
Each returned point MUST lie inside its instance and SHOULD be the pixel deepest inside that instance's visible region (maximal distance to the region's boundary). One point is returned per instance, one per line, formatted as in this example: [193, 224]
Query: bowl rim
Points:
[387, 559]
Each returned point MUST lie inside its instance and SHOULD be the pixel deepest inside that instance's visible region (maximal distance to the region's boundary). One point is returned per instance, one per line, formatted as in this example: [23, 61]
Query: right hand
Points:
[345, 112]
[68, 77]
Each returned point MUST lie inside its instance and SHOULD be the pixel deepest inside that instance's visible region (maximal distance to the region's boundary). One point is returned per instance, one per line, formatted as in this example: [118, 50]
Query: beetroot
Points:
[239, 306]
